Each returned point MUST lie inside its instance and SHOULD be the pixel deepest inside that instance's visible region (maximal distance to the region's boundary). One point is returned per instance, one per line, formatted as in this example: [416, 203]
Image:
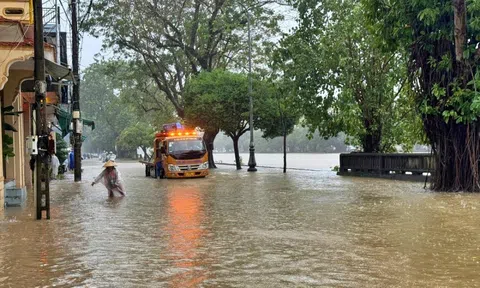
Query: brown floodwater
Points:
[239, 229]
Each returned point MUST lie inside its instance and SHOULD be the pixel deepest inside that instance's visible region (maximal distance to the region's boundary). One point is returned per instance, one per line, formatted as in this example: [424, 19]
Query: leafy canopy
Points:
[345, 81]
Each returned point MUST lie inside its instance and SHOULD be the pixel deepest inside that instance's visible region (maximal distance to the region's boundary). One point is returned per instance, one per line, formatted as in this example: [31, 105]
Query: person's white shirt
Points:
[55, 166]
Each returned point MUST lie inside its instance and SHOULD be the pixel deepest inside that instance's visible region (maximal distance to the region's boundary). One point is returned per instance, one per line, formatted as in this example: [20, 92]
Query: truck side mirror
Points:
[162, 150]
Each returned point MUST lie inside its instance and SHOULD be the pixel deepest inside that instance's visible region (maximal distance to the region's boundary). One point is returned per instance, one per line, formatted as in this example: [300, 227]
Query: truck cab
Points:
[181, 153]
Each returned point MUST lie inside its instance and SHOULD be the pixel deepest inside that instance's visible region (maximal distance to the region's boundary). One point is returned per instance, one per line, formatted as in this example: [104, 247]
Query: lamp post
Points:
[251, 161]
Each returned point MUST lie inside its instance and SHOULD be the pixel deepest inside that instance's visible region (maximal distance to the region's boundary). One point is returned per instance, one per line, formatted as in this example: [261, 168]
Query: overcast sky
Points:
[90, 47]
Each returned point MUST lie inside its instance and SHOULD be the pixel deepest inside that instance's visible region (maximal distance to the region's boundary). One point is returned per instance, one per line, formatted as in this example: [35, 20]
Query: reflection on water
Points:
[241, 229]
[184, 227]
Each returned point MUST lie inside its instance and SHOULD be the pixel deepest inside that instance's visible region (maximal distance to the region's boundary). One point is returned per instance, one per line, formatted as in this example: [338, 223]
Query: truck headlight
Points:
[173, 168]
[203, 165]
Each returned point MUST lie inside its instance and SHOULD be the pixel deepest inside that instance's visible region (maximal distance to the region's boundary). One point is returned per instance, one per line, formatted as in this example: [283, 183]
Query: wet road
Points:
[238, 229]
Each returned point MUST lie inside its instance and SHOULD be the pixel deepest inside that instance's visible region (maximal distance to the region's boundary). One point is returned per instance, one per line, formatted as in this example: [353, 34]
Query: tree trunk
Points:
[145, 155]
[209, 138]
[460, 31]
[371, 143]
[284, 152]
[372, 140]
[237, 153]
[456, 150]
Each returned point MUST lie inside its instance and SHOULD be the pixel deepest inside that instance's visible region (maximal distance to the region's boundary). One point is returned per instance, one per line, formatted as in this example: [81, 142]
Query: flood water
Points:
[239, 229]
[313, 161]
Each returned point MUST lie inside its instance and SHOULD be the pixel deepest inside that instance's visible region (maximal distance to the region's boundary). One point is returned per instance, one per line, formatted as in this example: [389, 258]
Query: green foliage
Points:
[426, 30]
[174, 40]
[441, 38]
[344, 80]
[7, 142]
[279, 113]
[111, 96]
[136, 135]
[219, 100]
[61, 148]
[7, 145]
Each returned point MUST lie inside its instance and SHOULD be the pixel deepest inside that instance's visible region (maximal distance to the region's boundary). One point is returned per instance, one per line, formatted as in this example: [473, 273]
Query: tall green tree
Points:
[279, 115]
[344, 80]
[220, 100]
[174, 40]
[441, 38]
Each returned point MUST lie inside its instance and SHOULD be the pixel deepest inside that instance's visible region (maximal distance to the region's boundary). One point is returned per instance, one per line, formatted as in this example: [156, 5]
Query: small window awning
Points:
[64, 120]
[58, 72]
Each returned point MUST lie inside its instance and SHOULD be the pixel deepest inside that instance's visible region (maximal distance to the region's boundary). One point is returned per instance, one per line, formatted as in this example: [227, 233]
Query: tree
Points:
[174, 40]
[220, 100]
[111, 92]
[102, 103]
[444, 54]
[61, 149]
[279, 116]
[137, 135]
[344, 80]
[297, 142]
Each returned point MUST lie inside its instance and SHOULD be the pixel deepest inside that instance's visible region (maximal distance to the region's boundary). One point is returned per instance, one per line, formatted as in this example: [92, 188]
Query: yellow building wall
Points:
[22, 53]
[22, 4]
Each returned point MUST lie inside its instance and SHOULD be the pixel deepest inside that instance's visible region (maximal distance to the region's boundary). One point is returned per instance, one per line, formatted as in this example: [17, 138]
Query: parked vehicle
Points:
[180, 152]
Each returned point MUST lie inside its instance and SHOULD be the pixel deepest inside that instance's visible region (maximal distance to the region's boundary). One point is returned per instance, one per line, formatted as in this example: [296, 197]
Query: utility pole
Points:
[57, 33]
[42, 189]
[77, 126]
[251, 161]
[58, 43]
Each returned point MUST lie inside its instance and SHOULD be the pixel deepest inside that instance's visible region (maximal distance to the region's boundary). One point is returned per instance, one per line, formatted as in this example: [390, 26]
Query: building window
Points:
[13, 11]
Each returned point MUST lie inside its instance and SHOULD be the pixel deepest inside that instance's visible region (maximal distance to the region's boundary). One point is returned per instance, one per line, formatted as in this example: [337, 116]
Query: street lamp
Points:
[251, 160]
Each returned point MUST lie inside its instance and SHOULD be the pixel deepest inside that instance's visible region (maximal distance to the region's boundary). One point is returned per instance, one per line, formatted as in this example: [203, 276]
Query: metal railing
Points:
[377, 164]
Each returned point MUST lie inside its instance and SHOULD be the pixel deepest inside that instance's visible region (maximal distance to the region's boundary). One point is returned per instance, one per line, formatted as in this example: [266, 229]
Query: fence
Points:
[401, 166]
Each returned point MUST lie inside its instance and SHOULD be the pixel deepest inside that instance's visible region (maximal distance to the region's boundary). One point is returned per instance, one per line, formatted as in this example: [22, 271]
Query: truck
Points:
[179, 151]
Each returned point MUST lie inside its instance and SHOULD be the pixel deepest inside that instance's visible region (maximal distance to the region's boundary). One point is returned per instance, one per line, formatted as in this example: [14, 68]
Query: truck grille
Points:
[188, 167]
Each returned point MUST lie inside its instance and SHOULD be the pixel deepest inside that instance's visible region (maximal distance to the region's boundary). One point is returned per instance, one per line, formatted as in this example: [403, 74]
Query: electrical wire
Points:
[67, 14]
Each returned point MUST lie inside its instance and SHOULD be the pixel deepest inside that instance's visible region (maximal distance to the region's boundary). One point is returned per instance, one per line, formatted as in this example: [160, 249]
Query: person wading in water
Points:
[112, 180]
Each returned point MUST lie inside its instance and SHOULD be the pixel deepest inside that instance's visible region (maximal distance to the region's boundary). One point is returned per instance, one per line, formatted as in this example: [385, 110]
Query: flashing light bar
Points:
[172, 134]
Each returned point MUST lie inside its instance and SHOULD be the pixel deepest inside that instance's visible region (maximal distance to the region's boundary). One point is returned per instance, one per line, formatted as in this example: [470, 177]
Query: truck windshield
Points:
[185, 145]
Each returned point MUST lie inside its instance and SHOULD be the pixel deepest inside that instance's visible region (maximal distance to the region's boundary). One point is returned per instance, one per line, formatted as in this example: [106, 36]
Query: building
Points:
[17, 94]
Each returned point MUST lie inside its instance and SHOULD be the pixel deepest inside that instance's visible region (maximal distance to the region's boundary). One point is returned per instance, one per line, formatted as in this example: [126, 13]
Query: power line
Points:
[66, 14]
[16, 46]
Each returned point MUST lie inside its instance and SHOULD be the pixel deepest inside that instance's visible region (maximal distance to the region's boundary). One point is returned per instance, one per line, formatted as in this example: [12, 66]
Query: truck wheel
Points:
[147, 171]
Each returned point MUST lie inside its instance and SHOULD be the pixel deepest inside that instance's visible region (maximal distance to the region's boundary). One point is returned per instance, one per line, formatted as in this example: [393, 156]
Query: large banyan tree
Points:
[442, 39]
